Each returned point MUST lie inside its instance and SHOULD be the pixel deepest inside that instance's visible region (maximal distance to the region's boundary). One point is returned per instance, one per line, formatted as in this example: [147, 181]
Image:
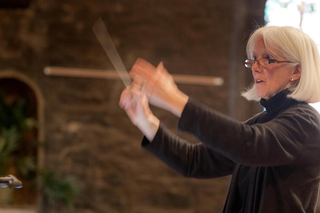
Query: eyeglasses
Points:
[262, 62]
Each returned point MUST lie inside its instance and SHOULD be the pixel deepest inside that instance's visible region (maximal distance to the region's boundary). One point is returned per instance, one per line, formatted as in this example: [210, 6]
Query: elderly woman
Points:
[274, 157]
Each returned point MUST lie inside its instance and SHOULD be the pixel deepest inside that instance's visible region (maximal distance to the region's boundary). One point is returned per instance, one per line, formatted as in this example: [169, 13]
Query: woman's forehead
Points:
[259, 51]
[259, 48]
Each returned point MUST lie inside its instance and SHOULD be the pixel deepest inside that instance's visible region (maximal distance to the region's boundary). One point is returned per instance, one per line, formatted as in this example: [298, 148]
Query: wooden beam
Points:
[110, 74]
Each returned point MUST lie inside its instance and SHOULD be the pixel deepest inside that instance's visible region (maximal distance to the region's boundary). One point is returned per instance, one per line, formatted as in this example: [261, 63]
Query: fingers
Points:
[158, 82]
[131, 114]
[143, 73]
[130, 95]
[139, 80]
[125, 98]
[137, 89]
[160, 67]
[134, 101]
[144, 65]
[143, 69]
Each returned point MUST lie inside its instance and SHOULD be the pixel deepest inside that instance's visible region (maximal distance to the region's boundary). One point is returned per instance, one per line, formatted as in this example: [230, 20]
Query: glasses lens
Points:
[248, 63]
[264, 62]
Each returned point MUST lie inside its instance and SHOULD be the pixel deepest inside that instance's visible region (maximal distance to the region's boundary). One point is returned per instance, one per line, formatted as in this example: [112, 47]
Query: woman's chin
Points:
[263, 95]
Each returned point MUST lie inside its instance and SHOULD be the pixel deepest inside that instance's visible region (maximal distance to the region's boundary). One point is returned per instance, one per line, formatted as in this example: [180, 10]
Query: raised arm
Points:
[190, 160]
[285, 139]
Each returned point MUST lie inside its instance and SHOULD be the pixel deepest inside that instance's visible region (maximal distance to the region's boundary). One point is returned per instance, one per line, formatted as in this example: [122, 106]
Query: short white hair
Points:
[293, 45]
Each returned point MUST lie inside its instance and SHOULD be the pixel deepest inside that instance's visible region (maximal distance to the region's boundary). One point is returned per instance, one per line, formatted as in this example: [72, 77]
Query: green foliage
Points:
[15, 113]
[57, 189]
[14, 125]
[25, 165]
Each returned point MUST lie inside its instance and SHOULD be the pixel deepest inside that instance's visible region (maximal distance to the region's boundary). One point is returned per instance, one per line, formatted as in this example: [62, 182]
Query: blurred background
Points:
[67, 139]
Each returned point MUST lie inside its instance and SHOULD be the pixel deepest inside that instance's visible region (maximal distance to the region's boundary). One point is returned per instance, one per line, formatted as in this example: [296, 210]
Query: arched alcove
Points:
[16, 86]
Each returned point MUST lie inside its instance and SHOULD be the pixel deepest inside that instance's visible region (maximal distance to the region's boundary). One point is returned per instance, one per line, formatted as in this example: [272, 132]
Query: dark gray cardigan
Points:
[274, 157]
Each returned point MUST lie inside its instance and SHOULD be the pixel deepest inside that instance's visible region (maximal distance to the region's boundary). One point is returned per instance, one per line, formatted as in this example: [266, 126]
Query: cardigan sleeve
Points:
[187, 159]
[279, 141]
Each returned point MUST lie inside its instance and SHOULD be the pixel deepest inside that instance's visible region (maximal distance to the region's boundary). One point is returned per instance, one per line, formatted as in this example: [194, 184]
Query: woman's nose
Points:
[256, 67]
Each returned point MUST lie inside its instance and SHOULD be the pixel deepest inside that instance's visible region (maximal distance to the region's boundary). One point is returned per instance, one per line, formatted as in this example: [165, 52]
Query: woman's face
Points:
[273, 78]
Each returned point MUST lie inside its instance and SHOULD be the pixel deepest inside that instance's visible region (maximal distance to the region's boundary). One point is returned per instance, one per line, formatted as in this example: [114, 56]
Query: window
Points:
[304, 15]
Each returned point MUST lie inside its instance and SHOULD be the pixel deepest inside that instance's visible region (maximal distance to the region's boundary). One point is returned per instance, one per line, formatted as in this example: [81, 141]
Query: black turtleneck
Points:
[274, 157]
[277, 103]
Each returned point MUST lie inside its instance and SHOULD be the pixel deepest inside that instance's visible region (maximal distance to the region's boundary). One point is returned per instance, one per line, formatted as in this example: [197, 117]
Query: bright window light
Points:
[302, 14]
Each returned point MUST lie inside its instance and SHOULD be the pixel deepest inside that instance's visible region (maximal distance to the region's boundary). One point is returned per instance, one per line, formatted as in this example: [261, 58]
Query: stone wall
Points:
[87, 135]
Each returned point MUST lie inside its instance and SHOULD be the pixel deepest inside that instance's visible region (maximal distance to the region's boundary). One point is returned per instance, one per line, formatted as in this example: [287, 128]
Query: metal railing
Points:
[10, 181]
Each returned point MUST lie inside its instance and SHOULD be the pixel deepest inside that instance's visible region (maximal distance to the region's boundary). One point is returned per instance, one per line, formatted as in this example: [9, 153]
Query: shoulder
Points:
[297, 112]
[302, 110]
[255, 118]
[302, 119]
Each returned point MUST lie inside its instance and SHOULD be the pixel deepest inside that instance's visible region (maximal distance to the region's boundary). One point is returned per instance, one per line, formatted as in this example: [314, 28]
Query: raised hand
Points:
[134, 101]
[160, 88]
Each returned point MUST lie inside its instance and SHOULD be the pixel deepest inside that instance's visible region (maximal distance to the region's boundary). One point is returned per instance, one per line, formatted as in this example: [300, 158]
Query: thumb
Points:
[161, 69]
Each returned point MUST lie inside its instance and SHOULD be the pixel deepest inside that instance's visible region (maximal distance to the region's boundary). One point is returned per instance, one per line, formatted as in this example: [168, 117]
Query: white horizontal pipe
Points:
[108, 74]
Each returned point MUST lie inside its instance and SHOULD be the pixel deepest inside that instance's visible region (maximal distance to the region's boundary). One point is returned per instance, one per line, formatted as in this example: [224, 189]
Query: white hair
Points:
[296, 46]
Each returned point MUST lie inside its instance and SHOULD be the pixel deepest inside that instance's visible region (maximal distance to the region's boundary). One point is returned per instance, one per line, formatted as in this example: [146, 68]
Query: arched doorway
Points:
[21, 104]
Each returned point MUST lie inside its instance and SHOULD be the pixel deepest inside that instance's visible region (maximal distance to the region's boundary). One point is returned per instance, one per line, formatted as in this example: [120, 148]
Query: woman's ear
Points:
[297, 72]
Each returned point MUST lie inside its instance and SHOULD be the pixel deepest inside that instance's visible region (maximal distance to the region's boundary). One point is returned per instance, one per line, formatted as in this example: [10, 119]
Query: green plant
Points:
[14, 126]
[57, 189]
[17, 151]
